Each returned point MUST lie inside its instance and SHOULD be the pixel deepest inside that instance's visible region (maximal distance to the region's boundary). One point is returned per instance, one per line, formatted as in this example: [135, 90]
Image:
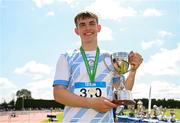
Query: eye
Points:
[82, 24]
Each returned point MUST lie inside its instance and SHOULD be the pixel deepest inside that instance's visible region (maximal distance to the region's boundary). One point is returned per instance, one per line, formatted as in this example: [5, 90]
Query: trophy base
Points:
[124, 102]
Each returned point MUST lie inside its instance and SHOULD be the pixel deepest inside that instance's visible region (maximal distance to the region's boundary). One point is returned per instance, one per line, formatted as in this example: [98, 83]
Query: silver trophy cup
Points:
[119, 61]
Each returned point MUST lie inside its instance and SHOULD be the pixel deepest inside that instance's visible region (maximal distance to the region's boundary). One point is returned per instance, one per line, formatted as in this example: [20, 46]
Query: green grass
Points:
[177, 113]
[60, 116]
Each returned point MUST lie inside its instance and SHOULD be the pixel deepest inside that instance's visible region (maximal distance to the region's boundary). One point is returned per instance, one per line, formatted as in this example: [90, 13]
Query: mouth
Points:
[88, 33]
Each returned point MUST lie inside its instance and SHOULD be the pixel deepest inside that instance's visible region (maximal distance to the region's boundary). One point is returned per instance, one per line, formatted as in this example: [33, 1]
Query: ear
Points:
[76, 31]
[99, 28]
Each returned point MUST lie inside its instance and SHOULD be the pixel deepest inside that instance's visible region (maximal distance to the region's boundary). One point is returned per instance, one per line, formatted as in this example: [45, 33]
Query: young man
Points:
[82, 81]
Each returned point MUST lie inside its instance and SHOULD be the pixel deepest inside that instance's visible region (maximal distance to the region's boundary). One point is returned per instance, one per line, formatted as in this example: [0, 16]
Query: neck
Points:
[89, 45]
[89, 48]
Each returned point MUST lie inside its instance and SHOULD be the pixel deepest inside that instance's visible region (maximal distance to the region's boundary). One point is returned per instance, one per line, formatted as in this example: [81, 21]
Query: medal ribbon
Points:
[90, 72]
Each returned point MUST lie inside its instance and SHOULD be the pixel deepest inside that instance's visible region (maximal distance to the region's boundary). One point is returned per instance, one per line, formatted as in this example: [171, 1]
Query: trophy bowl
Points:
[120, 62]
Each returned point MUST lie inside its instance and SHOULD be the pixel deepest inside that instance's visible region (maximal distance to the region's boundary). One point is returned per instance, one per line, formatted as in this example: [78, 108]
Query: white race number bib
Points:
[90, 89]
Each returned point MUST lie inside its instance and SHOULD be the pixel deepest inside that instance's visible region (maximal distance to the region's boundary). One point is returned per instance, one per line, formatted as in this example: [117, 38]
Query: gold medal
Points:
[92, 91]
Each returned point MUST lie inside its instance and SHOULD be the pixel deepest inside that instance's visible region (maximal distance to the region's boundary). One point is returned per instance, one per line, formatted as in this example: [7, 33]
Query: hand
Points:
[101, 104]
[135, 59]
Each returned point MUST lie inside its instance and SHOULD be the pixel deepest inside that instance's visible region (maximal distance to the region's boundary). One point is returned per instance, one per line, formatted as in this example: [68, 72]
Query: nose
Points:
[87, 27]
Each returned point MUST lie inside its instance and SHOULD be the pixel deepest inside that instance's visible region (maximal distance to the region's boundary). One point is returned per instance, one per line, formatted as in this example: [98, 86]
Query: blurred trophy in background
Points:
[172, 117]
[120, 66]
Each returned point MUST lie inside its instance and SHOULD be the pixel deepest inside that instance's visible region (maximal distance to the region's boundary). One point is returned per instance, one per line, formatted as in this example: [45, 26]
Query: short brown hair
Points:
[84, 15]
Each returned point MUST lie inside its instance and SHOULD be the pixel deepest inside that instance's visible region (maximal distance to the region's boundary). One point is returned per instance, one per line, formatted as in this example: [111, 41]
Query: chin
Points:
[90, 39]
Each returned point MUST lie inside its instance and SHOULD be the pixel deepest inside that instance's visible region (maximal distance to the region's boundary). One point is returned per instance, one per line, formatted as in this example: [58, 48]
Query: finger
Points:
[105, 110]
[110, 104]
[136, 63]
[130, 55]
[136, 58]
[137, 55]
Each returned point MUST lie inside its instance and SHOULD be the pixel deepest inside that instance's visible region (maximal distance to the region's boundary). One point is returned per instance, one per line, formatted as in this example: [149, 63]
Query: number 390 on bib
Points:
[89, 89]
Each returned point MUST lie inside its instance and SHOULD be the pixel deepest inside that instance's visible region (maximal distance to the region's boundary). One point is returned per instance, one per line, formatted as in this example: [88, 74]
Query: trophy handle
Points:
[107, 55]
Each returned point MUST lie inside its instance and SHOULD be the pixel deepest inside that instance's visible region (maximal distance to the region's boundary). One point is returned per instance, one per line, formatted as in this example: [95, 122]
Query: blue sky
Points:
[34, 32]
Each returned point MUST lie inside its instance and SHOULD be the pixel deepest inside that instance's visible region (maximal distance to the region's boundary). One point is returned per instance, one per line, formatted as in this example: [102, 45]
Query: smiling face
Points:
[87, 29]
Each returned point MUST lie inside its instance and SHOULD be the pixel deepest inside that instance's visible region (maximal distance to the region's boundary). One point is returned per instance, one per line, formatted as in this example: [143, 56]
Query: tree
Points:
[22, 96]
[4, 105]
[23, 93]
[11, 104]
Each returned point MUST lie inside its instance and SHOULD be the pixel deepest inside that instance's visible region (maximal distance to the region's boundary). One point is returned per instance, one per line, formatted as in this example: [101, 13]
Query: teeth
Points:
[89, 33]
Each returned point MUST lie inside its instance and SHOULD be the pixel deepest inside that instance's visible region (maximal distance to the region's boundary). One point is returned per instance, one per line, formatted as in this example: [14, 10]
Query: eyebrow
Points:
[82, 23]
[91, 22]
